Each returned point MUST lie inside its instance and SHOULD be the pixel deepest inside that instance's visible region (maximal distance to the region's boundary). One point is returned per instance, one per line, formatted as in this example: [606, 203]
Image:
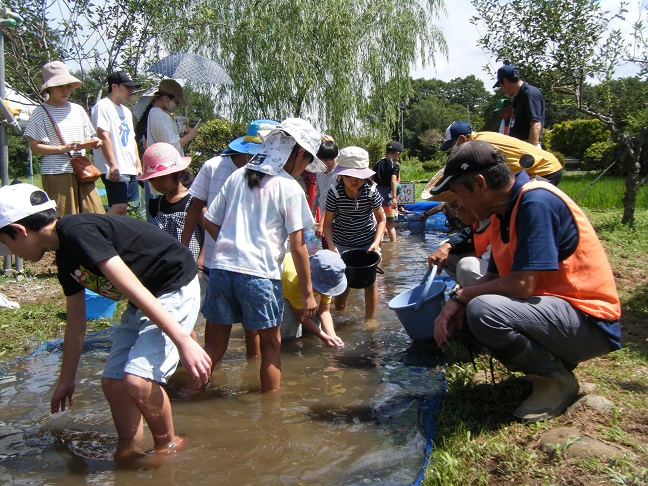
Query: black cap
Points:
[394, 146]
[122, 77]
[472, 156]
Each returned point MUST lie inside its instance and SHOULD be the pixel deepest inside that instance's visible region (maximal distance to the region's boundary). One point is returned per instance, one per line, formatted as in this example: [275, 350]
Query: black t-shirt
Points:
[158, 260]
[384, 170]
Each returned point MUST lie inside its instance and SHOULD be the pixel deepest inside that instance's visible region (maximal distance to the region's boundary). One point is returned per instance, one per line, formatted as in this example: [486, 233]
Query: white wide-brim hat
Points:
[354, 162]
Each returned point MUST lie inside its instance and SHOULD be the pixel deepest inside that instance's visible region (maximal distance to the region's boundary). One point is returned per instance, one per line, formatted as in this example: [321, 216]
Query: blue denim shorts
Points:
[140, 348]
[236, 297]
[121, 192]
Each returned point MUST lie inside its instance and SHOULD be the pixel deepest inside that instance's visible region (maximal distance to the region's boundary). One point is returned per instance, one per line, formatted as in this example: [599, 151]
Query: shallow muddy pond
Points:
[356, 415]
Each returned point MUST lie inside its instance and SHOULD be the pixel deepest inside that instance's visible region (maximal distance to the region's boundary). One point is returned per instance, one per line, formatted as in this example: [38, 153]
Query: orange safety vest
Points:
[480, 240]
[584, 279]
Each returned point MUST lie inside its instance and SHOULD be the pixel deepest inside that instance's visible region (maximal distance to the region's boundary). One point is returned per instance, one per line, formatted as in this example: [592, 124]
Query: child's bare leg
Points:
[126, 416]
[270, 359]
[216, 342]
[371, 301]
[154, 405]
[341, 300]
[252, 344]
[390, 230]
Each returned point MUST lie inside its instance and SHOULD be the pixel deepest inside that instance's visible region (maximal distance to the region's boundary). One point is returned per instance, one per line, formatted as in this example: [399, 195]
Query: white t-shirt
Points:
[74, 125]
[118, 121]
[162, 128]
[324, 182]
[255, 223]
[206, 186]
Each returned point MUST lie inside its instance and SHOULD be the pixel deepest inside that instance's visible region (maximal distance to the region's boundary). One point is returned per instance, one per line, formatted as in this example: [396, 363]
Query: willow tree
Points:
[319, 60]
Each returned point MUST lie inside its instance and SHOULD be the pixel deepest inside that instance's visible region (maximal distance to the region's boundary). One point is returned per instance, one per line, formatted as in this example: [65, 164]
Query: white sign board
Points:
[407, 194]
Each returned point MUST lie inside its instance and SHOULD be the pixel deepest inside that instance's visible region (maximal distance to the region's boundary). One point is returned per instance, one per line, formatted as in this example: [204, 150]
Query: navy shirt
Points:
[528, 106]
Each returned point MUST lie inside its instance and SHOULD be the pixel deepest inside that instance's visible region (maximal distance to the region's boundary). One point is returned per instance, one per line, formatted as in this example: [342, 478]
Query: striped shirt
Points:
[73, 123]
[353, 221]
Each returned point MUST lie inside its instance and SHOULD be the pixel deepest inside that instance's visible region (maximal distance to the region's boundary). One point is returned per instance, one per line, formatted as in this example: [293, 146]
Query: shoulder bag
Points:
[84, 170]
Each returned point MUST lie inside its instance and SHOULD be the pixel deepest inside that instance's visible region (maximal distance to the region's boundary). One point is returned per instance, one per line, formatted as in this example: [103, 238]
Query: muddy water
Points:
[347, 416]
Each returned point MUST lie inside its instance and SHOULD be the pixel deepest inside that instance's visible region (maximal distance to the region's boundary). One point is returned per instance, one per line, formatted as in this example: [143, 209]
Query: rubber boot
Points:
[554, 386]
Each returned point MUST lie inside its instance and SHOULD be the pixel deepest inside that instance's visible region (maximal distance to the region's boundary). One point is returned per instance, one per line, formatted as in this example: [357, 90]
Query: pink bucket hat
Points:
[161, 159]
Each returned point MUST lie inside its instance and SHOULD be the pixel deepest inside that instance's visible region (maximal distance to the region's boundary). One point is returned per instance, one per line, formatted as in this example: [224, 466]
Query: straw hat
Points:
[446, 196]
[55, 73]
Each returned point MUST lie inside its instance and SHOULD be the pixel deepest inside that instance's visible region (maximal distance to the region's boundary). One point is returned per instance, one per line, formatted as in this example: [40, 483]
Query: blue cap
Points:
[250, 143]
[452, 133]
[327, 273]
[505, 72]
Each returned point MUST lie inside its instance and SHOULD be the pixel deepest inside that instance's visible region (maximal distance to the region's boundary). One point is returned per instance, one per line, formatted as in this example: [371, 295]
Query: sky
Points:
[465, 58]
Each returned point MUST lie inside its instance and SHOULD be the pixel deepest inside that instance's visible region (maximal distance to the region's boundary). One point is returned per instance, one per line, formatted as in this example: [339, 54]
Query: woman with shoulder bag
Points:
[59, 131]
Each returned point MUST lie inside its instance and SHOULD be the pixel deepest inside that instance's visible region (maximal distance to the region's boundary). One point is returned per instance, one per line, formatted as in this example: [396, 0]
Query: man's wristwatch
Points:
[454, 295]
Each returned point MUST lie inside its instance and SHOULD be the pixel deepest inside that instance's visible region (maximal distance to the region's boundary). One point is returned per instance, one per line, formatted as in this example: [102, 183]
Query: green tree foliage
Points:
[434, 105]
[599, 156]
[573, 138]
[560, 44]
[29, 45]
[18, 157]
[321, 60]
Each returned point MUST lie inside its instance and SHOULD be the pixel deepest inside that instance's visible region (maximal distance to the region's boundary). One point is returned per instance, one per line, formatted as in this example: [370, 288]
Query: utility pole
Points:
[7, 19]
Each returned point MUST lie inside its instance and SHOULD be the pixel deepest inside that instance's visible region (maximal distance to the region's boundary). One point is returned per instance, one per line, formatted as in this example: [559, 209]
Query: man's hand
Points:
[450, 318]
[113, 174]
[62, 392]
[439, 256]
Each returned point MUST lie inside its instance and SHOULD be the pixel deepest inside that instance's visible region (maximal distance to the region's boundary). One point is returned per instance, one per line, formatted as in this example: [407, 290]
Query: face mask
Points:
[173, 106]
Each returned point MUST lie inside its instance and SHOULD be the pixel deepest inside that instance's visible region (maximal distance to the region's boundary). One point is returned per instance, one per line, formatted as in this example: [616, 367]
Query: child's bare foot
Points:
[127, 452]
[172, 447]
[371, 324]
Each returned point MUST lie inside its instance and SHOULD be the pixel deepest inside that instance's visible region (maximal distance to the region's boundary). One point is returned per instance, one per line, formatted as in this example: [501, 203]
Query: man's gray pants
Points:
[497, 321]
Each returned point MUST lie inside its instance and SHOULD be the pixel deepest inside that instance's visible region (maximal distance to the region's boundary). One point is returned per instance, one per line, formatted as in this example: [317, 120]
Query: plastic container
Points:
[414, 223]
[98, 306]
[361, 268]
[419, 325]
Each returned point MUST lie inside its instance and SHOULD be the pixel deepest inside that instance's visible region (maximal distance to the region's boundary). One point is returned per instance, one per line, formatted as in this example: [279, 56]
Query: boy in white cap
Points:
[255, 212]
[354, 218]
[118, 258]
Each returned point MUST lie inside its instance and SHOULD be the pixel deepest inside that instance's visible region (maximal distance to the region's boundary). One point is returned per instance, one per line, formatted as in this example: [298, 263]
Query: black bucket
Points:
[361, 268]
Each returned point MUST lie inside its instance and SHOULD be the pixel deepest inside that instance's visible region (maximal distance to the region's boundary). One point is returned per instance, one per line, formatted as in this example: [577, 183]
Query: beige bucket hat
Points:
[55, 73]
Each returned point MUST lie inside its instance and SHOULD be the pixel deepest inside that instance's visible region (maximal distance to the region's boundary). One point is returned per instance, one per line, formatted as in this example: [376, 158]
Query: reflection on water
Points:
[356, 415]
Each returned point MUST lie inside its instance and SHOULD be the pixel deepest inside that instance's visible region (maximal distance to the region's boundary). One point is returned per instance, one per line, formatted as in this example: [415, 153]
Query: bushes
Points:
[574, 137]
[18, 157]
[213, 137]
[600, 155]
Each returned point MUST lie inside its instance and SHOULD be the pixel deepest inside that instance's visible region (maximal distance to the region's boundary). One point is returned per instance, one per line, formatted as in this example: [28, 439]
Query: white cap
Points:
[15, 204]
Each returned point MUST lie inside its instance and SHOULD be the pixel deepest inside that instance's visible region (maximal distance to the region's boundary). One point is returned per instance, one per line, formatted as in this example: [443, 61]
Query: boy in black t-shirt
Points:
[116, 256]
[386, 178]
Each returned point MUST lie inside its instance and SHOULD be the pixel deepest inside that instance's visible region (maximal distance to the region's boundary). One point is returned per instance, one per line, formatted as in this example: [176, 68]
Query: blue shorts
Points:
[140, 348]
[121, 192]
[236, 297]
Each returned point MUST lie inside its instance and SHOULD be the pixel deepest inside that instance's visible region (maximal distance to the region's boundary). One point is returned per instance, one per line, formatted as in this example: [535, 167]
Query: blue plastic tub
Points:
[98, 306]
[414, 223]
[419, 325]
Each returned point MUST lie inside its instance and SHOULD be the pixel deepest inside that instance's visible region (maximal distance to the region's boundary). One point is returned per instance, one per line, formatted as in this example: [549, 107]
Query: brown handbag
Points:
[84, 170]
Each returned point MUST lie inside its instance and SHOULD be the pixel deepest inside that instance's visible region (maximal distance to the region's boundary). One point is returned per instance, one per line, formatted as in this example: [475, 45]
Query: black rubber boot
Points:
[554, 386]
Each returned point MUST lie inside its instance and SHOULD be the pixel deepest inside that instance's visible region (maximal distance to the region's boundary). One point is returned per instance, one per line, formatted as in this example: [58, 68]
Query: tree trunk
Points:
[631, 184]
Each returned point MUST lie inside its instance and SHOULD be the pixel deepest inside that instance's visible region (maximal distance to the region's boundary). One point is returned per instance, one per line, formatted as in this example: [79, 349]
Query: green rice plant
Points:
[606, 193]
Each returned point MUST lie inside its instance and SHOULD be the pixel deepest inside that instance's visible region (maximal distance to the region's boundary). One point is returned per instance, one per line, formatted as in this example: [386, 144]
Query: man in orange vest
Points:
[548, 300]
